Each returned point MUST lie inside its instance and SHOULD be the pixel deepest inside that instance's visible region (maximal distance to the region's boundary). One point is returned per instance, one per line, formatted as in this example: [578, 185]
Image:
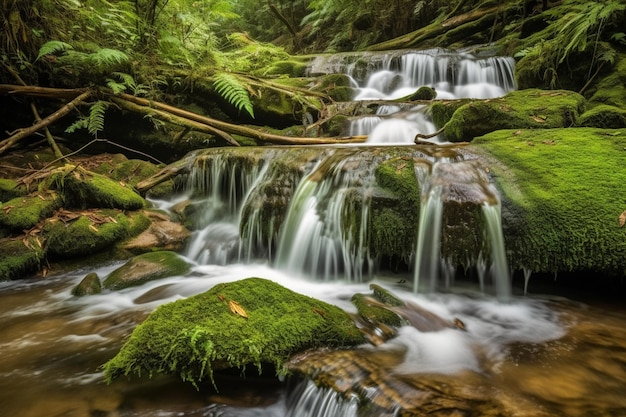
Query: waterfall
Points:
[308, 400]
[396, 74]
[499, 264]
[428, 254]
[315, 240]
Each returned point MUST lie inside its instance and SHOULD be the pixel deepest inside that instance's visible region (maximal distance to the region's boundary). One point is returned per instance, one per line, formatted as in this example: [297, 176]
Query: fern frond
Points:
[107, 57]
[78, 124]
[53, 47]
[95, 122]
[229, 87]
[127, 81]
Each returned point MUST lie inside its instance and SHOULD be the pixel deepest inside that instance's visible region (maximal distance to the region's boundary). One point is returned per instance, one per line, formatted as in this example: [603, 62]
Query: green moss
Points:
[526, 109]
[19, 260]
[9, 190]
[604, 116]
[82, 189]
[87, 234]
[195, 336]
[442, 111]
[23, 213]
[374, 313]
[146, 267]
[563, 192]
[394, 218]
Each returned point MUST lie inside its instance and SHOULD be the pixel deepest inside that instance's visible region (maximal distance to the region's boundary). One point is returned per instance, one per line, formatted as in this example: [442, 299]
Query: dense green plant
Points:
[229, 87]
[576, 26]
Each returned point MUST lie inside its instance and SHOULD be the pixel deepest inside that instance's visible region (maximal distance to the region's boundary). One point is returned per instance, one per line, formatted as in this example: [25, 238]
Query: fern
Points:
[53, 47]
[123, 82]
[96, 117]
[107, 57]
[229, 87]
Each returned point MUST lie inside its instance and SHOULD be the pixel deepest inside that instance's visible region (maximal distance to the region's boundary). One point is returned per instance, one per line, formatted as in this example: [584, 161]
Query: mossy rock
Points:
[563, 192]
[19, 258]
[9, 190]
[146, 267]
[251, 322]
[131, 171]
[23, 213]
[90, 233]
[604, 116]
[291, 68]
[89, 285]
[395, 209]
[422, 93]
[526, 109]
[374, 313]
[83, 189]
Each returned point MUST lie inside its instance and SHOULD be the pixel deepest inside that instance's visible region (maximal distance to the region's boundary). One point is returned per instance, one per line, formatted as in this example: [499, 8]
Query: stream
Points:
[530, 347]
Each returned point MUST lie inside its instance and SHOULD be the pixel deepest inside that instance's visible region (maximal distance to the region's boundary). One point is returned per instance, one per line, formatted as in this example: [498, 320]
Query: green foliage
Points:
[53, 47]
[229, 87]
[94, 123]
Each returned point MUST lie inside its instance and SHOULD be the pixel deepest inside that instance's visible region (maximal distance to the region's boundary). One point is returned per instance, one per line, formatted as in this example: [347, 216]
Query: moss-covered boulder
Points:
[130, 172]
[604, 116]
[84, 189]
[563, 194]
[20, 258]
[146, 267]
[23, 213]
[525, 109]
[89, 285]
[250, 322]
[85, 233]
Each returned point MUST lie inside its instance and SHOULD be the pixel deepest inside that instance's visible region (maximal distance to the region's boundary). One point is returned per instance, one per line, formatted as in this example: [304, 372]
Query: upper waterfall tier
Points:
[392, 75]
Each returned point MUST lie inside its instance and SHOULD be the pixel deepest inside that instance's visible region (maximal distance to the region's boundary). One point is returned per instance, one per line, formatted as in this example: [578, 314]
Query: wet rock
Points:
[162, 234]
[89, 285]
[147, 267]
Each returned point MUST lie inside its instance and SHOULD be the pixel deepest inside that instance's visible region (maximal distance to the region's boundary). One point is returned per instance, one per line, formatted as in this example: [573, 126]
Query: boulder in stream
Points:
[253, 321]
[147, 267]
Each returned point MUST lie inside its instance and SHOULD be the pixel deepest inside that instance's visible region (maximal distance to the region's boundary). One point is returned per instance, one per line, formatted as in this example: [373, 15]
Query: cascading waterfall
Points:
[314, 239]
[309, 400]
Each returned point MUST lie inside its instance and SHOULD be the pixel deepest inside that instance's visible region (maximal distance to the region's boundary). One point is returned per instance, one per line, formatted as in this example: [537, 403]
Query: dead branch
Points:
[25, 132]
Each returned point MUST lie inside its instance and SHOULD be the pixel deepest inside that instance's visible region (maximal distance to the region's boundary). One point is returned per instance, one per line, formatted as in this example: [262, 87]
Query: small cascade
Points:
[308, 400]
[428, 249]
[315, 240]
[499, 264]
[219, 187]
[396, 74]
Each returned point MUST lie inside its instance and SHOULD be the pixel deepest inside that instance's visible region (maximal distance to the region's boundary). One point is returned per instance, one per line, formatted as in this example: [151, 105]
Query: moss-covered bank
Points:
[564, 191]
[248, 322]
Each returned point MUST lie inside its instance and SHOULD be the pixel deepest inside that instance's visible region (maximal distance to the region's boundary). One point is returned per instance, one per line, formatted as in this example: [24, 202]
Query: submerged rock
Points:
[233, 325]
[147, 267]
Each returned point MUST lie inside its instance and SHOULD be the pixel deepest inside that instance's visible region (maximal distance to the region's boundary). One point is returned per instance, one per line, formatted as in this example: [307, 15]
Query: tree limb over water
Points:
[159, 110]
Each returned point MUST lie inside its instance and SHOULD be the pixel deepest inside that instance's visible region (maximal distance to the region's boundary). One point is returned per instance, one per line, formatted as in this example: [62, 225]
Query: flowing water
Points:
[522, 354]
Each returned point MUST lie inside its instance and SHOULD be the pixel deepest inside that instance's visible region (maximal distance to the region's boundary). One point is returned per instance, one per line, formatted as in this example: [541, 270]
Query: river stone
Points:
[89, 285]
[253, 321]
[162, 234]
[147, 267]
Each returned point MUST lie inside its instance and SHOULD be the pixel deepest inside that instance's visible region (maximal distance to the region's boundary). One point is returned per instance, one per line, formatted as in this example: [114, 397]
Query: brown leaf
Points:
[539, 119]
[549, 142]
[622, 219]
[318, 311]
[221, 297]
[94, 228]
[236, 308]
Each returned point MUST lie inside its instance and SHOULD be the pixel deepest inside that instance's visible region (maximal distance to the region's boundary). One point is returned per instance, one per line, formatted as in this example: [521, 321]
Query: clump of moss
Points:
[374, 313]
[604, 116]
[19, 259]
[248, 322]
[394, 225]
[146, 267]
[83, 189]
[9, 189]
[527, 109]
[23, 213]
[87, 234]
[566, 189]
